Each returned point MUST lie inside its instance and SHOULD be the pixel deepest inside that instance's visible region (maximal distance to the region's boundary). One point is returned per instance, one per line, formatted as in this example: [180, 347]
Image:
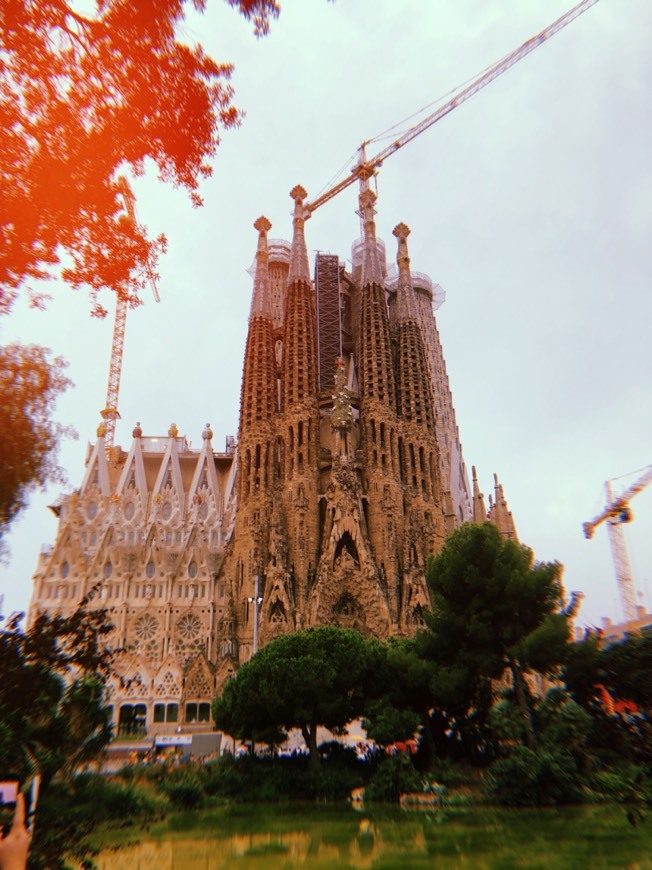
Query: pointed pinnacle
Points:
[404, 291]
[262, 224]
[260, 303]
[299, 268]
[298, 193]
[371, 270]
[401, 231]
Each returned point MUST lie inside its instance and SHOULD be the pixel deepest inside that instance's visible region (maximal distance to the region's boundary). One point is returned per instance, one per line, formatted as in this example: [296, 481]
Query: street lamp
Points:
[256, 601]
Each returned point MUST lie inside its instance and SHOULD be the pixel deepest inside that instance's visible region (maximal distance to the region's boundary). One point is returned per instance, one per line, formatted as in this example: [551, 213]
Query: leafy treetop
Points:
[321, 676]
[82, 98]
[494, 609]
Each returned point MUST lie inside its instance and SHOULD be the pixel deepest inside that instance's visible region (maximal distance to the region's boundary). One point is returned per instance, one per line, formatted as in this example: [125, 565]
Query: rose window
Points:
[146, 628]
[188, 628]
[190, 642]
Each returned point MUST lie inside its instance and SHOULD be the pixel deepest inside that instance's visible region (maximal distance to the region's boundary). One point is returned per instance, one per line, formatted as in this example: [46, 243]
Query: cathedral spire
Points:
[374, 344]
[260, 301]
[299, 268]
[258, 404]
[415, 402]
[479, 512]
[372, 272]
[299, 377]
[298, 424]
[500, 515]
[404, 290]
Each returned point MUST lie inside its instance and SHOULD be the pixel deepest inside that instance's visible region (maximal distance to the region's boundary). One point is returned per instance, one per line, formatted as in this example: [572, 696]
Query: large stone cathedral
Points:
[346, 474]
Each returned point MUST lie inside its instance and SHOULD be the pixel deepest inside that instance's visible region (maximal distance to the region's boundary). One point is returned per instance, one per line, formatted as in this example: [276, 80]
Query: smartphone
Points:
[8, 795]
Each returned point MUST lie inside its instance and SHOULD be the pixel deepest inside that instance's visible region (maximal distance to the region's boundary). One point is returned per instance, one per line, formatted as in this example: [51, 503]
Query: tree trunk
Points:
[310, 736]
[520, 691]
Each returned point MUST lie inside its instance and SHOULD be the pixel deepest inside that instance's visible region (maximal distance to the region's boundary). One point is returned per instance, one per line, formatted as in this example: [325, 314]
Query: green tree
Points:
[30, 383]
[51, 692]
[53, 717]
[556, 770]
[407, 696]
[84, 97]
[580, 671]
[321, 676]
[494, 610]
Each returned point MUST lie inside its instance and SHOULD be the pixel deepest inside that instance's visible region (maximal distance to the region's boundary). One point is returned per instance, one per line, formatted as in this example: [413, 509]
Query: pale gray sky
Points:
[530, 205]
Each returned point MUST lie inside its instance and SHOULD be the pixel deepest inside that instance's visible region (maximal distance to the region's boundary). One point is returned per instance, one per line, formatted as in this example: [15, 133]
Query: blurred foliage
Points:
[53, 715]
[87, 93]
[30, 383]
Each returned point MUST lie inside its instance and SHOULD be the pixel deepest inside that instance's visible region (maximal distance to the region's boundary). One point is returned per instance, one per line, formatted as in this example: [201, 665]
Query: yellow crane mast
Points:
[110, 414]
[616, 512]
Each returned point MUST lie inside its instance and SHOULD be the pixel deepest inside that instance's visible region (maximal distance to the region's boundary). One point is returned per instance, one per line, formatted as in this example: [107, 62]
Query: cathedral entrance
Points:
[132, 720]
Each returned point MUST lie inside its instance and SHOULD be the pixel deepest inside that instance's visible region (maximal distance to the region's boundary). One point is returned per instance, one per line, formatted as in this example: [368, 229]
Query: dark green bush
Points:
[107, 798]
[129, 772]
[447, 773]
[336, 782]
[185, 792]
[625, 784]
[528, 778]
[396, 775]
[270, 779]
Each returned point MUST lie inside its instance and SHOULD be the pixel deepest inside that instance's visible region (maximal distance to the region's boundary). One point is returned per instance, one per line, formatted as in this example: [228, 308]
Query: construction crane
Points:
[364, 169]
[110, 413]
[616, 512]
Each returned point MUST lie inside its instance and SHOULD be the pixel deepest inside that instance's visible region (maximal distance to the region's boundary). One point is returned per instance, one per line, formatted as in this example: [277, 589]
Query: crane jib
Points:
[365, 167]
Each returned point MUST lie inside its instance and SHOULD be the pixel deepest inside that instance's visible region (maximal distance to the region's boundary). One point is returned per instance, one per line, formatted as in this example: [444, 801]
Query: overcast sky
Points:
[530, 205]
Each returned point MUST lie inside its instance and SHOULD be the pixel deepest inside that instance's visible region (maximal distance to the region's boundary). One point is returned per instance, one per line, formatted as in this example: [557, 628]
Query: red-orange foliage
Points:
[30, 382]
[81, 98]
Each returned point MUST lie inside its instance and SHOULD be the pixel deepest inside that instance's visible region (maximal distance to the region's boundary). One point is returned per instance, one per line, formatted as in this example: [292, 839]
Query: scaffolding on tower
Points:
[329, 322]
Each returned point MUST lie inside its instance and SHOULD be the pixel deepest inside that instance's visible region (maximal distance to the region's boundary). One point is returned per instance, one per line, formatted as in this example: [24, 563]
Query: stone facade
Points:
[347, 474]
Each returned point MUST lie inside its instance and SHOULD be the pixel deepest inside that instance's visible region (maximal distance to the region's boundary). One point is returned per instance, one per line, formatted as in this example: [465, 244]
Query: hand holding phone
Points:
[13, 847]
[9, 791]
